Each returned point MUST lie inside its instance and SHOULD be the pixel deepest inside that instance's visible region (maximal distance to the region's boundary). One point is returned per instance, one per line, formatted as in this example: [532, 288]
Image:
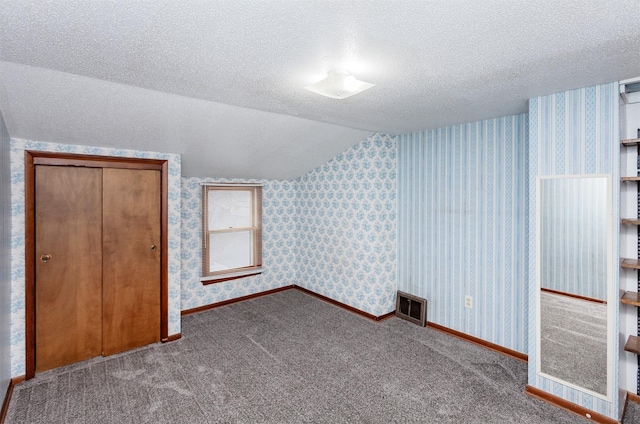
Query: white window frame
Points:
[209, 277]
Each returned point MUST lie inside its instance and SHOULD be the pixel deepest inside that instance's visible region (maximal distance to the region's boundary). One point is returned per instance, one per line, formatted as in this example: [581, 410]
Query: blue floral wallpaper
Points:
[331, 231]
[572, 132]
[461, 209]
[278, 244]
[346, 227]
[18, 240]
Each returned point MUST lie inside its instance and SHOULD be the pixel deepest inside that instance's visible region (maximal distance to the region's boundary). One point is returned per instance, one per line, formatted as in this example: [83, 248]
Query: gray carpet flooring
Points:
[632, 414]
[289, 358]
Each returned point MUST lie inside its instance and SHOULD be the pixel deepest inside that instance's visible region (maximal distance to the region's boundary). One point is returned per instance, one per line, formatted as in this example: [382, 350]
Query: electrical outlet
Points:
[468, 302]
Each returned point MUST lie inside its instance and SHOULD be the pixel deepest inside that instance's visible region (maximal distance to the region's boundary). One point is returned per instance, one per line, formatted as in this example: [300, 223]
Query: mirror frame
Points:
[611, 292]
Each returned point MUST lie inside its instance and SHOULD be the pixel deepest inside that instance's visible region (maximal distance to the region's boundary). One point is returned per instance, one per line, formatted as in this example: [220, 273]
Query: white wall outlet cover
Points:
[468, 302]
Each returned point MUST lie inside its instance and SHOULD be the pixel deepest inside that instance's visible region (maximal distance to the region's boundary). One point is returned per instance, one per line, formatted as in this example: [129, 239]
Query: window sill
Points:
[213, 279]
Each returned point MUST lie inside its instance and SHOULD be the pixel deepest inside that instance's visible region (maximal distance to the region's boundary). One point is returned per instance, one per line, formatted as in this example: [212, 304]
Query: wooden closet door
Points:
[68, 269]
[131, 259]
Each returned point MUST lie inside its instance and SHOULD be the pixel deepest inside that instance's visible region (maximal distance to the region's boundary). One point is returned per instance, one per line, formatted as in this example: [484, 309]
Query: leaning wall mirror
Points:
[575, 289]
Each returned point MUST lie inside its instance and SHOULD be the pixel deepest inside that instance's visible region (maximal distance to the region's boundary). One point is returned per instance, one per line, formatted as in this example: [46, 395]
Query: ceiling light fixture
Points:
[339, 84]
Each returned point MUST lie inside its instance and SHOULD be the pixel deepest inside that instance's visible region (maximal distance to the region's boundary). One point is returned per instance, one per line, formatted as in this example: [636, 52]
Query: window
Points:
[232, 231]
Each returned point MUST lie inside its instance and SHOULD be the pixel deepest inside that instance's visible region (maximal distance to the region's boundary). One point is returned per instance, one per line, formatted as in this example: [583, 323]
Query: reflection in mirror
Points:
[574, 269]
[573, 343]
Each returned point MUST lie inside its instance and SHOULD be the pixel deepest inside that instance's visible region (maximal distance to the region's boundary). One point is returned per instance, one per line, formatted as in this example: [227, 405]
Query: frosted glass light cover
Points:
[339, 85]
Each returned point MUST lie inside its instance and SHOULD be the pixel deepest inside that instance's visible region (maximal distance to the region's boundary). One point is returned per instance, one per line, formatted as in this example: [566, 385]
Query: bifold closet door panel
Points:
[68, 268]
[131, 258]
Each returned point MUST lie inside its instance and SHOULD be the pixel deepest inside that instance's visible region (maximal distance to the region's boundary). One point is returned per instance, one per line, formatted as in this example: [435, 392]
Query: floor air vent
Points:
[412, 308]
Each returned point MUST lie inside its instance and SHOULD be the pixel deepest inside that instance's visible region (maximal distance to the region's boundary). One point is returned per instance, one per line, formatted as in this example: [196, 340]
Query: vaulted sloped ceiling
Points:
[221, 81]
[214, 139]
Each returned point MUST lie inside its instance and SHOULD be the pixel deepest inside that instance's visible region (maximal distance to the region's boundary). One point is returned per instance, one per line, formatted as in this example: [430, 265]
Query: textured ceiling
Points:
[221, 81]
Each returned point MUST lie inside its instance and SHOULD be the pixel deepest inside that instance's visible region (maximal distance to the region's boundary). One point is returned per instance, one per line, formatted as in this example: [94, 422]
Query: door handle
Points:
[45, 258]
[154, 247]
